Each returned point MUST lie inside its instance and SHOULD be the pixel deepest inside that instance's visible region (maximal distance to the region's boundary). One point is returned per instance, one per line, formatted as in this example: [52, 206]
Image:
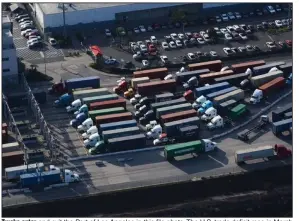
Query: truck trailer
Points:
[235, 79]
[209, 78]
[113, 118]
[117, 125]
[10, 147]
[266, 68]
[122, 132]
[115, 110]
[172, 109]
[281, 126]
[90, 93]
[178, 116]
[211, 65]
[120, 102]
[108, 97]
[211, 96]
[136, 81]
[242, 67]
[156, 87]
[173, 128]
[277, 115]
[225, 107]
[164, 97]
[210, 89]
[151, 73]
[259, 80]
[182, 77]
[236, 95]
[155, 106]
[13, 173]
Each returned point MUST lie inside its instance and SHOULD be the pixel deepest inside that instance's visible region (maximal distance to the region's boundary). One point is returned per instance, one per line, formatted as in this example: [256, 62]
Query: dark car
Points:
[258, 12]
[260, 27]
[156, 27]
[245, 15]
[251, 14]
[265, 24]
[188, 35]
[167, 38]
[250, 27]
[187, 43]
[177, 24]
[265, 11]
[170, 25]
[272, 25]
[256, 49]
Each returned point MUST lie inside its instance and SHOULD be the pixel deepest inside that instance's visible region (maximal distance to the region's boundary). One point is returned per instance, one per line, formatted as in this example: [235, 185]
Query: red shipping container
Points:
[212, 65]
[12, 159]
[204, 78]
[156, 87]
[178, 116]
[189, 95]
[242, 67]
[151, 73]
[108, 104]
[273, 85]
[113, 118]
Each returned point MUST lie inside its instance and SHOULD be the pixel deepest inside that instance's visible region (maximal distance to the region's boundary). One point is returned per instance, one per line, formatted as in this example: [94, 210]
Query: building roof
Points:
[5, 19]
[55, 8]
[16, 6]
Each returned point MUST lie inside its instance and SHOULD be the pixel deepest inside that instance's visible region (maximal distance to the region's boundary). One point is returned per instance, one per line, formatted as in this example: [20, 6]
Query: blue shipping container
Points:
[127, 143]
[173, 128]
[50, 177]
[218, 93]
[266, 68]
[75, 83]
[210, 89]
[282, 126]
[185, 76]
[117, 125]
[29, 179]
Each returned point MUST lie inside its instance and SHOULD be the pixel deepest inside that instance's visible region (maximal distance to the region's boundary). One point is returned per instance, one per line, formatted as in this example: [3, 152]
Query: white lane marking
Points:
[21, 48]
[270, 38]
[42, 54]
[17, 38]
[15, 28]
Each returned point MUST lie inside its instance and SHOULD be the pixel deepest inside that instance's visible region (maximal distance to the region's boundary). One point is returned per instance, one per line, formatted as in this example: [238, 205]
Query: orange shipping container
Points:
[211, 76]
[151, 73]
[108, 104]
[212, 65]
[273, 85]
[178, 116]
[113, 118]
[156, 87]
[242, 67]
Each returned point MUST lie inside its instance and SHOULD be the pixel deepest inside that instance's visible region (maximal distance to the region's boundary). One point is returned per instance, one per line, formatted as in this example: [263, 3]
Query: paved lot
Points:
[37, 55]
[260, 38]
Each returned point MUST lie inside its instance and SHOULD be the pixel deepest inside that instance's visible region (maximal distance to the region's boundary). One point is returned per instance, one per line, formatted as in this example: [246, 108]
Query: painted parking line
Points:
[17, 38]
[270, 37]
[42, 54]
[22, 48]
[15, 28]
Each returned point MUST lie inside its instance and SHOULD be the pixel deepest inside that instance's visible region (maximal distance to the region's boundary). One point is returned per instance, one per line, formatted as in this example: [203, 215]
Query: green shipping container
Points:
[108, 97]
[115, 110]
[90, 93]
[174, 150]
[238, 111]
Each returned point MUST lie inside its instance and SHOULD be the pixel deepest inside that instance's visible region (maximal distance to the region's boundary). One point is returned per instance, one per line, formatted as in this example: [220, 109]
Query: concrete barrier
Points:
[59, 185]
[12, 191]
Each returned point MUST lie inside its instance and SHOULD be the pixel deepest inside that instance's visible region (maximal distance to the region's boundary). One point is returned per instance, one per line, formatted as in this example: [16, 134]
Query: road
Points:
[148, 168]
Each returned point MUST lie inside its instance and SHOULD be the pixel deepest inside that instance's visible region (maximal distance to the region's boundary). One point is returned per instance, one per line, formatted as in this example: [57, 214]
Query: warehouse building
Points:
[50, 15]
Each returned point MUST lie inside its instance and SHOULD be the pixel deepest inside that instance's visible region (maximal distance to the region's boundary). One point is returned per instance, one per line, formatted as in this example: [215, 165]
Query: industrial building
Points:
[50, 15]
[9, 52]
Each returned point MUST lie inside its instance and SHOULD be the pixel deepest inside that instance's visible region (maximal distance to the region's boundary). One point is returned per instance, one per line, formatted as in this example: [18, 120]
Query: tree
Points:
[179, 16]
[212, 33]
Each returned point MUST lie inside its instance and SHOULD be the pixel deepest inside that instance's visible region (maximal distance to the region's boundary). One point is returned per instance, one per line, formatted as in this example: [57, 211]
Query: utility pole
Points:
[64, 27]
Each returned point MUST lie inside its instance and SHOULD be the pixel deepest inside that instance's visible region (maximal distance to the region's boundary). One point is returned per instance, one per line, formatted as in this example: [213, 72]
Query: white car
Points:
[26, 22]
[200, 41]
[243, 36]
[228, 37]
[217, 30]
[108, 33]
[164, 59]
[271, 9]
[138, 55]
[174, 36]
[136, 30]
[23, 33]
[242, 49]
[139, 43]
[249, 48]
[154, 39]
[224, 31]
[25, 25]
[142, 28]
[165, 45]
[213, 54]
[191, 56]
[52, 41]
[149, 28]
[207, 38]
[228, 51]
[238, 15]
[178, 43]
[143, 48]
[271, 45]
[32, 42]
[218, 19]
[172, 44]
[202, 33]
[230, 29]
[236, 27]
[224, 17]
[181, 36]
[278, 23]
[133, 45]
[34, 36]
[231, 16]
[24, 19]
[145, 63]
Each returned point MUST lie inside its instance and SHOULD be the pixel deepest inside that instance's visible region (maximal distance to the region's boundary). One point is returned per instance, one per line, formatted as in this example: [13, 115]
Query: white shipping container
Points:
[136, 81]
[254, 153]
[10, 147]
[259, 80]
[233, 95]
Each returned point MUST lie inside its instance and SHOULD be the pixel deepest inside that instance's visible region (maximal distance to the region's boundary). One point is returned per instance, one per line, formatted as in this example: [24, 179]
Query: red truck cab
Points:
[282, 151]
[189, 96]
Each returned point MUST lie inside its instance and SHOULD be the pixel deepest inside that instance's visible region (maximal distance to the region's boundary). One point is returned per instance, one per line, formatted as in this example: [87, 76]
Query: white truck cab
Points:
[273, 69]
[181, 70]
[257, 96]
[155, 132]
[224, 69]
[209, 145]
[70, 176]
[135, 99]
[249, 72]
[92, 140]
[199, 101]
[75, 105]
[88, 123]
[121, 80]
[209, 114]
[168, 77]
[163, 139]
[216, 122]
[151, 125]
[90, 131]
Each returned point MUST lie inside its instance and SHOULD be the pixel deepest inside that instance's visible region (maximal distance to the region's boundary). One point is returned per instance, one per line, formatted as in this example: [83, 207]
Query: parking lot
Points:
[35, 55]
[259, 39]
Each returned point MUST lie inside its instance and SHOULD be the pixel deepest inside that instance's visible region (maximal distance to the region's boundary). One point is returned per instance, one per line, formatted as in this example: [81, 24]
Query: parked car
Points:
[167, 38]
[228, 51]
[224, 17]
[142, 28]
[174, 36]
[165, 45]
[200, 41]
[136, 30]
[26, 22]
[143, 48]
[154, 39]
[181, 36]
[250, 48]
[271, 45]
[34, 36]
[23, 33]
[172, 44]
[243, 36]
[231, 16]
[111, 61]
[188, 35]
[52, 41]
[207, 38]
[34, 45]
[23, 28]
[278, 23]
[149, 28]
[238, 15]
[108, 33]
[34, 40]
[278, 8]
[228, 37]
[196, 35]
[191, 56]
[33, 31]
[164, 59]
[178, 43]
[218, 19]
[145, 63]
[242, 49]
[258, 12]
[271, 9]
[24, 19]
[213, 54]
[224, 31]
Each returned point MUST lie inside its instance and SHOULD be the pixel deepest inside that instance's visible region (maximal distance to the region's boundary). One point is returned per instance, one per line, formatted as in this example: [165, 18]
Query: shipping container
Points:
[266, 68]
[273, 85]
[115, 110]
[108, 104]
[287, 69]
[12, 159]
[208, 78]
[218, 93]
[10, 147]
[288, 115]
[188, 133]
[123, 132]
[236, 95]
[185, 76]
[117, 125]
[152, 88]
[127, 143]
[136, 81]
[212, 65]
[235, 79]
[238, 111]
[108, 97]
[151, 73]
[173, 128]
[155, 106]
[90, 93]
[164, 97]
[93, 82]
[29, 180]
[13, 173]
[281, 126]
[277, 115]
[259, 80]
[210, 89]
[51, 177]
[242, 67]
[172, 109]
[178, 116]
[253, 153]
[113, 118]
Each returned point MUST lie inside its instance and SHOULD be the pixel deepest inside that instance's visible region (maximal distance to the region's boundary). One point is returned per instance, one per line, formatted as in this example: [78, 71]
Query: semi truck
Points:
[236, 95]
[281, 126]
[173, 128]
[181, 77]
[270, 152]
[277, 115]
[210, 89]
[211, 65]
[192, 147]
[69, 85]
[266, 89]
[263, 69]
[209, 78]
[155, 87]
[259, 80]
[209, 114]
[242, 67]
[198, 102]
[80, 118]
[206, 105]
[13, 173]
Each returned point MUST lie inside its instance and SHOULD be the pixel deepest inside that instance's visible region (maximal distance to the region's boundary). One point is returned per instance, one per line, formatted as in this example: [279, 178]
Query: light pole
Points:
[64, 28]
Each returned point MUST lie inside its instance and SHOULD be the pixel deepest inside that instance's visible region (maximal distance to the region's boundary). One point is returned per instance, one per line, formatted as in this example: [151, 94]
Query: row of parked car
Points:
[29, 31]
